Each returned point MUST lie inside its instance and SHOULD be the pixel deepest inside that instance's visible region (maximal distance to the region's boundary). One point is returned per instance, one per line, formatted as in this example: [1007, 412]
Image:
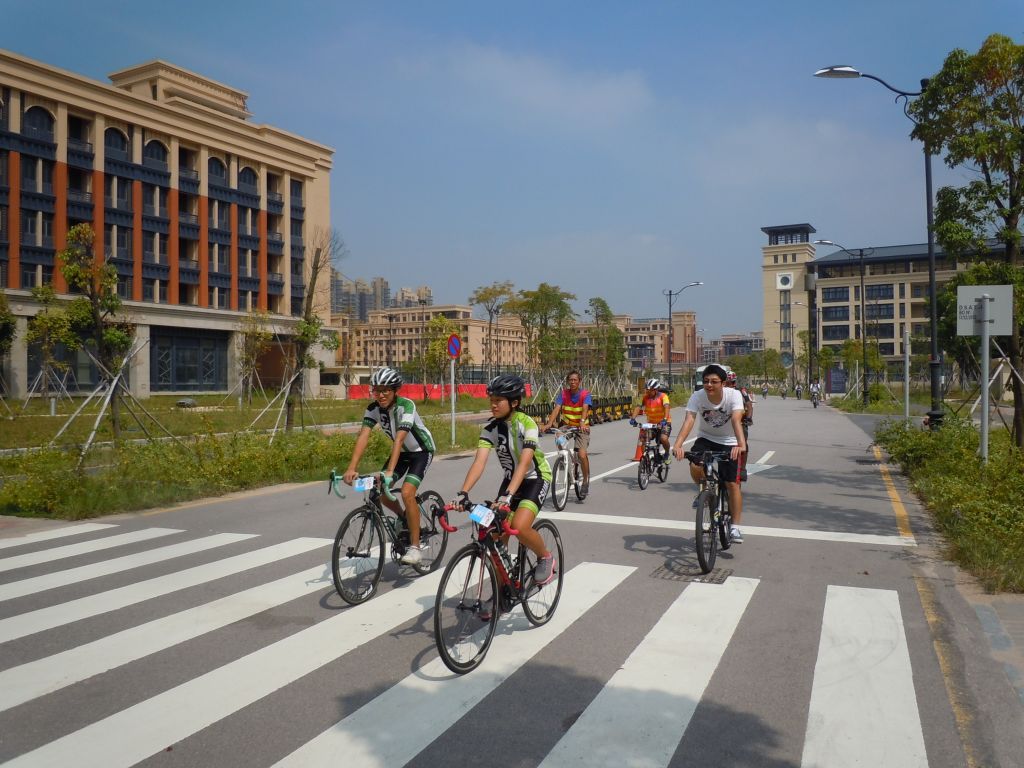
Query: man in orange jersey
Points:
[656, 409]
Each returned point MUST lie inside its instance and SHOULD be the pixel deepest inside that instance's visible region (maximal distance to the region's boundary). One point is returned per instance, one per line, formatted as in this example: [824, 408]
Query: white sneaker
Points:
[736, 535]
[412, 556]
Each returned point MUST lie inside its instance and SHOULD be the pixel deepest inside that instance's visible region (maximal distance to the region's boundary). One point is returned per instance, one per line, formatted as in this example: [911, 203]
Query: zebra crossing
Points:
[862, 708]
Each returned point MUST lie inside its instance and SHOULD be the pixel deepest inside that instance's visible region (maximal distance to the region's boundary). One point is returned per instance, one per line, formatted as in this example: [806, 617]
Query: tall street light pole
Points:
[671, 296]
[844, 71]
[863, 318]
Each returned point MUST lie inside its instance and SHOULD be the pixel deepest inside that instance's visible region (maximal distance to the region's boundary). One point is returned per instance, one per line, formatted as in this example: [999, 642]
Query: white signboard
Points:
[1000, 309]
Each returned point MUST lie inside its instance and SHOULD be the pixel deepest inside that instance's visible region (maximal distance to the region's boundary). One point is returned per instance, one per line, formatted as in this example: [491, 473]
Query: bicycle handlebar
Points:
[700, 456]
[332, 484]
[500, 513]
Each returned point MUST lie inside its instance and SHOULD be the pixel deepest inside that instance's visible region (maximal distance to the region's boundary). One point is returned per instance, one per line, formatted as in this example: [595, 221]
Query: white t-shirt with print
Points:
[713, 421]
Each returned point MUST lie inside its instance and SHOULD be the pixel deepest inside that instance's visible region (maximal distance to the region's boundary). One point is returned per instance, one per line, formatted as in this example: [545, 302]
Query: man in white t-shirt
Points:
[718, 412]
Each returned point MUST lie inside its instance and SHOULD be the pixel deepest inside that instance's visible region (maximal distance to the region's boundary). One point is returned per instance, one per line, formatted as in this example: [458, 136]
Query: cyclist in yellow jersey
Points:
[656, 408]
[573, 405]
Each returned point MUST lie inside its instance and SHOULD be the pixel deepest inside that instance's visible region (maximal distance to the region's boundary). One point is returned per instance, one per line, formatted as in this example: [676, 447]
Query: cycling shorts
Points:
[413, 465]
[656, 431]
[727, 468]
[531, 494]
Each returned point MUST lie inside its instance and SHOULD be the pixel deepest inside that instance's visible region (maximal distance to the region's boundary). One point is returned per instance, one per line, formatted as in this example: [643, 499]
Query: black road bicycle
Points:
[652, 460]
[714, 520]
[567, 469]
[357, 558]
[483, 580]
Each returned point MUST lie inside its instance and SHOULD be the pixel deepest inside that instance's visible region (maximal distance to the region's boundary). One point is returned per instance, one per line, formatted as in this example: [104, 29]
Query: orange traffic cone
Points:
[639, 447]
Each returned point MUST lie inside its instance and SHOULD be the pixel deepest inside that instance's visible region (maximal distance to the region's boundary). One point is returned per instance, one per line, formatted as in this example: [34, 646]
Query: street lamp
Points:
[671, 296]
[863, 317]
[844, 71]
[815, 342]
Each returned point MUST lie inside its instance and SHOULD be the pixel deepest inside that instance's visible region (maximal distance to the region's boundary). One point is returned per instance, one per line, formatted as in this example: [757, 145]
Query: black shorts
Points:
[656, 432]
[412, 465]
[531, 492]
[727, 468]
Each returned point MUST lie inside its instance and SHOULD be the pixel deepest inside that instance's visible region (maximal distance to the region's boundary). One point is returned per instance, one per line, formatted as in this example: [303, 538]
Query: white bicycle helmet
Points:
[386, 377]
[653, 384]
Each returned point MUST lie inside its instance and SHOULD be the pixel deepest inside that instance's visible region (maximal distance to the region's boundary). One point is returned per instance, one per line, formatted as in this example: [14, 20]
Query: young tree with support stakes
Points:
[606, 339]
[491, 298]
[254, 339]
[48, 328]
[973, 110]
[328, 248]
[93, 313]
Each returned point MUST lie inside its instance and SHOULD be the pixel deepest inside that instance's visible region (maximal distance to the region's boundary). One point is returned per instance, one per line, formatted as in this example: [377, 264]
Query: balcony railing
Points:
[79, 196]
[188, 173]
[79, 144]
[188, 218]
[275, 237]
[277, 197]
[151, 210]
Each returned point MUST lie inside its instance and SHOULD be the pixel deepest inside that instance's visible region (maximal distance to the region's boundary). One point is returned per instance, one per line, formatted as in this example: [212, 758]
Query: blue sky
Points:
[611, 148]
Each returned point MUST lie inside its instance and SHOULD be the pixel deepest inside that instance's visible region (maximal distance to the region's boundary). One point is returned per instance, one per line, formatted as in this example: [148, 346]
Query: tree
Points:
[491, 298]
[973, 110]
[254, 339]
[93, 313]
[606, 339]
[327, 247]
[8, 327]
[826, 361]
[50, 327]
[548, 322]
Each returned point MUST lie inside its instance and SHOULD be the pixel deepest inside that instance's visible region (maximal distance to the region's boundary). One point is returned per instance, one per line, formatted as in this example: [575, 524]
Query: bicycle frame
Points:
[488, 537]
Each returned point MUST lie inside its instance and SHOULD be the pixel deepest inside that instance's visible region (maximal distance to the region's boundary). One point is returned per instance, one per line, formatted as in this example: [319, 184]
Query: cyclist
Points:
[746, 420]
[718, 412]
[411, 453]
[815, 390]
[514, 436]
[764, 390]
[573, 405]
[799, 391]
[657, 410]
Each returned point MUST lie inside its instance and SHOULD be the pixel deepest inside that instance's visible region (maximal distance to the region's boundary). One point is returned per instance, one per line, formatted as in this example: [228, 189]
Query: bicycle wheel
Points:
[433, 538]
[539, 603]
[704, 531]
[358, 556]
[725, 522]
[643, 470]
[662, 470]
[560, 484]
[577, 480]
[466, 610]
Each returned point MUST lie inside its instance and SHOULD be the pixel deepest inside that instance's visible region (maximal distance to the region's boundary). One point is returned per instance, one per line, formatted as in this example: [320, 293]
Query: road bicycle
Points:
[714, 520]
[652, 459]
[483, 580]
[567, 469]
[357, 558]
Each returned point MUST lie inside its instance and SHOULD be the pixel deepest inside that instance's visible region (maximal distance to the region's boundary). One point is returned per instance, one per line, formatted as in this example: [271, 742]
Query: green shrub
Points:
[978, 507]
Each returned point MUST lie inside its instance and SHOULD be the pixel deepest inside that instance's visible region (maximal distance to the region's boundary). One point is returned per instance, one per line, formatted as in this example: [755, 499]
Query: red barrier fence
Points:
[420, 392]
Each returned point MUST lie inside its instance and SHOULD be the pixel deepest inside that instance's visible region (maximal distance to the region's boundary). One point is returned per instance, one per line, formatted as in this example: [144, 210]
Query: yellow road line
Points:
[961, 712]
[902, 520]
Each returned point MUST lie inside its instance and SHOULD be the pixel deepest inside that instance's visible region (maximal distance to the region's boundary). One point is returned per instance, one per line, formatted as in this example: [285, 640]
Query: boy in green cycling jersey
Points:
[514, 435]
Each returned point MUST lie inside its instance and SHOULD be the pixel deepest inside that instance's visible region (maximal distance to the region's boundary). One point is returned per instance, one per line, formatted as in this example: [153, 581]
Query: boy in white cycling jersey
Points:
[718, 412]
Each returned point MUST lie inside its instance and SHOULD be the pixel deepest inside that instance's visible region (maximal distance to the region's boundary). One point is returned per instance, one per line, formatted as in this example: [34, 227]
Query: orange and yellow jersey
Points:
[656, 408]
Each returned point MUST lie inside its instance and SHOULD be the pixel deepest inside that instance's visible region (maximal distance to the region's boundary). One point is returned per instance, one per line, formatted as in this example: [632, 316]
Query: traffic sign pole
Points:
[454, 350]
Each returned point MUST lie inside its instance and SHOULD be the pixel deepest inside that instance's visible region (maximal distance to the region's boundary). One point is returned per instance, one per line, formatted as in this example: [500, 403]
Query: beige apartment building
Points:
[822, 294]
[204, 213]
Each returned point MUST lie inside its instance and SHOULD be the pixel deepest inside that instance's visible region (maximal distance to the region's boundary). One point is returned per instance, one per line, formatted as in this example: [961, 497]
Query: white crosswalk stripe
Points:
[117, 565]
[83, 548]
[863, 707]
[56, 533]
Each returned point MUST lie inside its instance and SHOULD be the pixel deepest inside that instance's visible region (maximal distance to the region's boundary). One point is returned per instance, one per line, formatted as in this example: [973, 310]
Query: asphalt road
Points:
[211, 635]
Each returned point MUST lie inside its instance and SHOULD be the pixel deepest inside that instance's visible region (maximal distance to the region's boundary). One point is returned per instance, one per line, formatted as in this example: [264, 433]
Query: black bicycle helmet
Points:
[507, 385]
[386, 377]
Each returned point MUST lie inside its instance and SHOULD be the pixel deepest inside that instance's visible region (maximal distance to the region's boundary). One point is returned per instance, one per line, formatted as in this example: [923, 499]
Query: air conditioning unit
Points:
[784, 281]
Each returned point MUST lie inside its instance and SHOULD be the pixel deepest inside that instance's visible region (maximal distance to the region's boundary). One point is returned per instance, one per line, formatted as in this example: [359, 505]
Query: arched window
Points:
[154, 150]
[247, 177]
[216, 169]
[39, 122]
[115, 140]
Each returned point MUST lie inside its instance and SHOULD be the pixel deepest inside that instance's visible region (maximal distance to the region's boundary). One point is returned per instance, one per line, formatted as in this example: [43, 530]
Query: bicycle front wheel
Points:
[560, 484]
[643, 470]
[466, 610]
[358, 556]
[704, 531]
[662, 470]
[539, 603]
[433, 538]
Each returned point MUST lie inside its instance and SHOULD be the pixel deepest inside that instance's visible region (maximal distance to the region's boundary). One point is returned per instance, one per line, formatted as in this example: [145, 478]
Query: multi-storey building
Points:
[822, 296]
[204, 213]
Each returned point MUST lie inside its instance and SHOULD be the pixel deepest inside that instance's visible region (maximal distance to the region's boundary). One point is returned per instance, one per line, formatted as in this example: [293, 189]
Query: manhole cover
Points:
[870, 462]
[681, 573]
